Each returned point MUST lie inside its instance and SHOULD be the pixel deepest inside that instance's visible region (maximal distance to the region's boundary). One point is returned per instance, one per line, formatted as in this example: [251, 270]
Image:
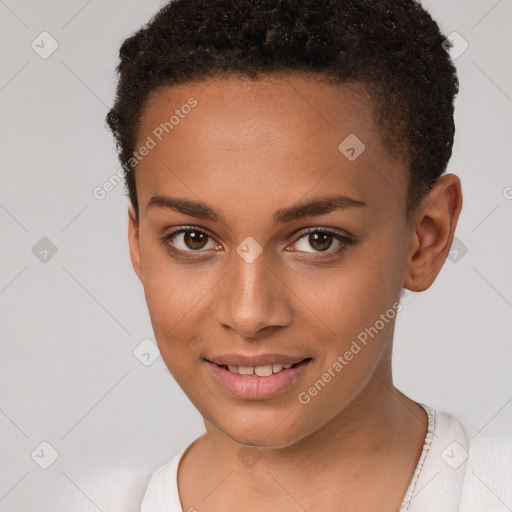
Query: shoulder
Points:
[109, 489]
[141, 489]
[488, 475]
[471, 447]
[464, 470]
[162, 490]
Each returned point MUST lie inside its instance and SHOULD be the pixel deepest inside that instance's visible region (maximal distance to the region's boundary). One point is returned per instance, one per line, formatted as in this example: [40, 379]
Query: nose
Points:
[252, 301]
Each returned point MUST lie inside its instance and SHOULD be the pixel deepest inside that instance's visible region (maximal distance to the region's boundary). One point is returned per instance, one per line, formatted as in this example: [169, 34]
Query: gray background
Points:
[70, 324]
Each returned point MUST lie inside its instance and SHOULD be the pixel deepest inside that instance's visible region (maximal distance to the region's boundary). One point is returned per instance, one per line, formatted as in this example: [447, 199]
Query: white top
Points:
[459, 470]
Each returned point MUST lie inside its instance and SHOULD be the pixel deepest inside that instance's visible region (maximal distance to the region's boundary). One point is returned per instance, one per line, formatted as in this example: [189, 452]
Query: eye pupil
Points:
[324, 239]
[195, 239]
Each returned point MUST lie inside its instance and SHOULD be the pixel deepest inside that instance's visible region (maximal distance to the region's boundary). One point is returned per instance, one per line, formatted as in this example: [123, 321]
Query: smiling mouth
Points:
[261, 371]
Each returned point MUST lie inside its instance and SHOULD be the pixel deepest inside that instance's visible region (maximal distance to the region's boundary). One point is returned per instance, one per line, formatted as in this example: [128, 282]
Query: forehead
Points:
[280, 133]
[233, 109]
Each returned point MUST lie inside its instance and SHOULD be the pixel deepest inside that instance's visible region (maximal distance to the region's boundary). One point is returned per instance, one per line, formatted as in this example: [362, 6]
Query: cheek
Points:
[353, 295]
[177, 297]
[358, 304]
[360, 310]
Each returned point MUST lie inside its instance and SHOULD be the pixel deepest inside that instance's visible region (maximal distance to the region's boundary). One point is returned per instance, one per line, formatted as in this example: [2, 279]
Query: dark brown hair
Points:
[392, 48]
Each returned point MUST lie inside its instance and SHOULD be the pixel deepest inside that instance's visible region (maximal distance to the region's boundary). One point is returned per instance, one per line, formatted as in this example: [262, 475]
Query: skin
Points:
[249, 149]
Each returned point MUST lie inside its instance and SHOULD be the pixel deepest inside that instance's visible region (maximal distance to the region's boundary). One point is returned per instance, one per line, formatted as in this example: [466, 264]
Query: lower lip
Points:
[252, 387]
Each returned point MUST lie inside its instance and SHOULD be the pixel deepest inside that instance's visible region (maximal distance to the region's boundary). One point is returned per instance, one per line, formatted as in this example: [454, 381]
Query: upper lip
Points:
[258, 360]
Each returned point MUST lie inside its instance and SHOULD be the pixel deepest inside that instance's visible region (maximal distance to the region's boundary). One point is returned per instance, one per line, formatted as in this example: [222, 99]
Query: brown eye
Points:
[195, 239]
[320, 241]
[189, 240]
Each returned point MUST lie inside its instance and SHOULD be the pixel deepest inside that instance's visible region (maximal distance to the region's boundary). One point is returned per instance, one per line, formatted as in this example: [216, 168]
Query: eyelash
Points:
[315, 256]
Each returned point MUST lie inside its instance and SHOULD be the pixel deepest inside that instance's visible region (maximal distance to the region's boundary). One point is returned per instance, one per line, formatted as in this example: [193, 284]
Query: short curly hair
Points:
[393, 49]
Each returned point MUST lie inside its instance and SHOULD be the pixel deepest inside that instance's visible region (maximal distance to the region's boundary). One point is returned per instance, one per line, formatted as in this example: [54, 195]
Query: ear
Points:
[432, 232]
[134, 241]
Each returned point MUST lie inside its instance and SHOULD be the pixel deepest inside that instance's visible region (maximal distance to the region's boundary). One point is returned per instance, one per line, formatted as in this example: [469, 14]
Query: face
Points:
[266, 237]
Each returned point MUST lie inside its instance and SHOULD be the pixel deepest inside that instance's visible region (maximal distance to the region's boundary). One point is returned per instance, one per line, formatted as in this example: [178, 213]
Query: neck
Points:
[380, 433]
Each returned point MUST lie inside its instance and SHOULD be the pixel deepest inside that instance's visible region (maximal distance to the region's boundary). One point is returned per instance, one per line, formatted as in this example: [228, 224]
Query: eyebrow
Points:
[312, 208]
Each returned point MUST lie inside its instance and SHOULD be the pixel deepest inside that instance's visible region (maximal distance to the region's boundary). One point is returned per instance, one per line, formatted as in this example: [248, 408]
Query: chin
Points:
[277, 430]
[257, 440]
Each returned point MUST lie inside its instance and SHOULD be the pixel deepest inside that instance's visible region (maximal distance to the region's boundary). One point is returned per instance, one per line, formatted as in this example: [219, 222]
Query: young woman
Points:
[285, 166]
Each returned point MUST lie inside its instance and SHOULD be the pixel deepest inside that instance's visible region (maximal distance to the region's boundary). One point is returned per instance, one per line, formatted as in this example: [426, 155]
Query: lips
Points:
[257, 381]
[260, 371]
[263, 365]
[253, 361]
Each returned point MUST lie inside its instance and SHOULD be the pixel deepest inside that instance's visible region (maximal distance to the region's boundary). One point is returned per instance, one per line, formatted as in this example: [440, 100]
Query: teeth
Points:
[263, 371]
[260, 371]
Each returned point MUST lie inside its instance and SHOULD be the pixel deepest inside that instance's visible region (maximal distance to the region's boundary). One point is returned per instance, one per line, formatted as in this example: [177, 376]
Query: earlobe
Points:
[134, 241]
[432, 235]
